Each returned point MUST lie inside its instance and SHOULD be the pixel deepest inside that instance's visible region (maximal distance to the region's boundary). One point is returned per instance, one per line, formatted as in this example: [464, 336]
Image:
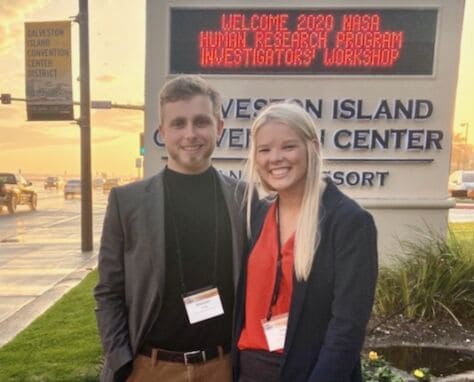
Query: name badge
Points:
[203, 305]
[275, 331]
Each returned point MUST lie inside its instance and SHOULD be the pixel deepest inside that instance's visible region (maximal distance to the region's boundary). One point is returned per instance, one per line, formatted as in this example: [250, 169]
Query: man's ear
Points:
[161, 131]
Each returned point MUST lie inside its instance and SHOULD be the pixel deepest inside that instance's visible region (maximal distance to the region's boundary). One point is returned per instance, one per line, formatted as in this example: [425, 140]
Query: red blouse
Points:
[261, 274]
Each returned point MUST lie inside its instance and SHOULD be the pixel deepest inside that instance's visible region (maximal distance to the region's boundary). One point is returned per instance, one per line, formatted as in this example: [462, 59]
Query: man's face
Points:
[190, 130]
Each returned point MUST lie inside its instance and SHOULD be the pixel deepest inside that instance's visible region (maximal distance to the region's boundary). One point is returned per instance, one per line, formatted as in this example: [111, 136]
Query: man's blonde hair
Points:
[185, 87]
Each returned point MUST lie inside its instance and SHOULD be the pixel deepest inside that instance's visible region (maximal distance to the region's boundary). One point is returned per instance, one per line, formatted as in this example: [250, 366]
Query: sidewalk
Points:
[36, 269]
[466, 206]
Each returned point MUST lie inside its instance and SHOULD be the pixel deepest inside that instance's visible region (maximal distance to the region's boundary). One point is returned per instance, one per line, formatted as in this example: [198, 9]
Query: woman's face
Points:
[281, 158]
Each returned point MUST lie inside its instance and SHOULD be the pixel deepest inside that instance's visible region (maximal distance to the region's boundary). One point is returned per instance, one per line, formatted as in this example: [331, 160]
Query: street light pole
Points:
[465, 151]
[84, 123]
[466, 125]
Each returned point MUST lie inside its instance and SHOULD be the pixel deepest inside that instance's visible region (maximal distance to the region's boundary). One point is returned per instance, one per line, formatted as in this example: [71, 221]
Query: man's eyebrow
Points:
[177, 119]
[202, 116]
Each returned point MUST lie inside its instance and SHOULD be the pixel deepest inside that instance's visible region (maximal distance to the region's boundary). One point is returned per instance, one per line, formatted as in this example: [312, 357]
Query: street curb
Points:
[29, 312]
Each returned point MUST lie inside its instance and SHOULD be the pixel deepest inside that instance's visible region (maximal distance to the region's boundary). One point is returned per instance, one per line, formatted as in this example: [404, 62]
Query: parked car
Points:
[16, 190]
[461, 184]
[55, 182]
[111, 183]
[72, 188]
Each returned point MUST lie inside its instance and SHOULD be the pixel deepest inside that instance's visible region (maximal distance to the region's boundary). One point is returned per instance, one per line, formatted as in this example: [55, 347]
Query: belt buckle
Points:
[190, 354]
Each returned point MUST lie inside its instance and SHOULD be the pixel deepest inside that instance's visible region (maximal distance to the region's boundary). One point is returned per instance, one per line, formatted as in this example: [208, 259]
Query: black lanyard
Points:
[279, 269]
[176, 233]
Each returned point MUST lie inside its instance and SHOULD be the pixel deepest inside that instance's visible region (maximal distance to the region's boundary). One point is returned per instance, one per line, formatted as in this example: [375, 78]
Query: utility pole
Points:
[466, 161]
[85, 125]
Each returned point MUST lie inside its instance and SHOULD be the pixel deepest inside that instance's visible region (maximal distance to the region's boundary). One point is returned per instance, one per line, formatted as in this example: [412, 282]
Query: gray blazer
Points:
[132, 264]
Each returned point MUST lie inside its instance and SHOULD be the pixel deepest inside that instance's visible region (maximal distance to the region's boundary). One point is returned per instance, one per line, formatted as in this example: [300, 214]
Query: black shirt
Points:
[191, 205]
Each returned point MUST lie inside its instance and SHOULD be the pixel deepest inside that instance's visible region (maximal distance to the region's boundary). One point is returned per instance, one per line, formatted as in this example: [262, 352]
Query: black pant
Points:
[259, 366]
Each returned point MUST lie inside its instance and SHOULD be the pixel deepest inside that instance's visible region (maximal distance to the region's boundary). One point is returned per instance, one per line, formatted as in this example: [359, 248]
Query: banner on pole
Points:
[48, 71]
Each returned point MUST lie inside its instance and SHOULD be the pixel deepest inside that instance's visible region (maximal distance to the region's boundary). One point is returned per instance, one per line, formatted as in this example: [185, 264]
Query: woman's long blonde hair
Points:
[307, 229]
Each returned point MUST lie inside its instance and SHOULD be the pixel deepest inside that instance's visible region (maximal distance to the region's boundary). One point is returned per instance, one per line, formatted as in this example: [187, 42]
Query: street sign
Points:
[48, 71]
[101, 104]
[6, 98]
[142, 144]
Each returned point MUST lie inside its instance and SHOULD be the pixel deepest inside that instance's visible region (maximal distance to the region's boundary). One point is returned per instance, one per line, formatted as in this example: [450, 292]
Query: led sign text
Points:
[271, 41]
[265, 40]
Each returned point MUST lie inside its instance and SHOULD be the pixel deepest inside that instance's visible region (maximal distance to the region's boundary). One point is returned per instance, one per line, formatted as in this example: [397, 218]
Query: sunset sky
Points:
[117, 51]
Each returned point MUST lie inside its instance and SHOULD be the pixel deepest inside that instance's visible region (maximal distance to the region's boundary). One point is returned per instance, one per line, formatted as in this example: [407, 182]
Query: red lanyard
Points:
[279, 268]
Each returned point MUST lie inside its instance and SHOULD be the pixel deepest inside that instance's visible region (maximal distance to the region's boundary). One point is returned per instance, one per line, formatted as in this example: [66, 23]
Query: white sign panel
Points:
[379, 78]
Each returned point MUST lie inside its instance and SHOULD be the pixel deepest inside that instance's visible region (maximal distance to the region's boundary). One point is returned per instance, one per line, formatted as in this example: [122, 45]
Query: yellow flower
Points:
[373, 356]
[419, 373]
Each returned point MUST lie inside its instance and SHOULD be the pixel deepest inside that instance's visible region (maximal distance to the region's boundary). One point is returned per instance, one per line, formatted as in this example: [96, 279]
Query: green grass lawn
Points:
[61, 345]
[463, 231]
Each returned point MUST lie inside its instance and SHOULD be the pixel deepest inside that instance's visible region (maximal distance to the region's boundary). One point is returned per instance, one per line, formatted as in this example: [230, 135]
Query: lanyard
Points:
[176, 233]
[279, 269]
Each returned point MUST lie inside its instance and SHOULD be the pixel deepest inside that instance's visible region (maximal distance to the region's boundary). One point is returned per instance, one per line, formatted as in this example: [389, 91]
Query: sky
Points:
[117, 67]
[117, 70]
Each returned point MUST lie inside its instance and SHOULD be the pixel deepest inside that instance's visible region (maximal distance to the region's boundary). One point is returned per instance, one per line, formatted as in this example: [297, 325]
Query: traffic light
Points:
[142, 144]
[6, 98]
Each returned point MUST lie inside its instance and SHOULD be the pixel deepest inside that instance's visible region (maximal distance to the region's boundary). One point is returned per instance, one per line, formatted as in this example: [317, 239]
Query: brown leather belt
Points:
[197, 356]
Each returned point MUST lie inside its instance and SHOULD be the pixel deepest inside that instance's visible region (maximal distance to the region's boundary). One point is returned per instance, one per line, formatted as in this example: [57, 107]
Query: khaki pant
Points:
[145, 369]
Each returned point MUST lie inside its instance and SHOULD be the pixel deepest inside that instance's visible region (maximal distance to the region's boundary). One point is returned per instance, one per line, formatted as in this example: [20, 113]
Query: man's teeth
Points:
[191, 148]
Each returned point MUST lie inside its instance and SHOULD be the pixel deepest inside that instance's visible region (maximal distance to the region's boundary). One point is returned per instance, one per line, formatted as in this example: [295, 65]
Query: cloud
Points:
[122, 121]
[107, 126]
[12, 116]
[105, 78]
[28, 137]
[12, 15]
[4, 38]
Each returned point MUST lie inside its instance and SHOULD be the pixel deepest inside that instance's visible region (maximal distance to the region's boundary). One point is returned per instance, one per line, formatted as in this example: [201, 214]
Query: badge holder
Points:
[275, 331]
[203, 304]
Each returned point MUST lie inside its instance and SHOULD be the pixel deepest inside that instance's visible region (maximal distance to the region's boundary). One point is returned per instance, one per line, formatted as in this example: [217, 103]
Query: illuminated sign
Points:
[303, 41]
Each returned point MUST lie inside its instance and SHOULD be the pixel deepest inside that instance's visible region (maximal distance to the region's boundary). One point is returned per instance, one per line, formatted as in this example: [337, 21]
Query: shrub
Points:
[434, 278]
[376, 369]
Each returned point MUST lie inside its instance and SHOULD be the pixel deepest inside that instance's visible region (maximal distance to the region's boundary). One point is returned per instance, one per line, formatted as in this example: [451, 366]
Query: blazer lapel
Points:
[297, 301]
[154, 227]
[236, 222]
[328, 200]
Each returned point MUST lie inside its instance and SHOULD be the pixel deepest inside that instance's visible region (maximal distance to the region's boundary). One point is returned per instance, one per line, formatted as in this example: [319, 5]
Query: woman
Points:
[308, 283]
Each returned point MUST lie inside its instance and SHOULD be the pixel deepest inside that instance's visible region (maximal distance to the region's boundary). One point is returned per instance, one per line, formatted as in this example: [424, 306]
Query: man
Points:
[170, 254]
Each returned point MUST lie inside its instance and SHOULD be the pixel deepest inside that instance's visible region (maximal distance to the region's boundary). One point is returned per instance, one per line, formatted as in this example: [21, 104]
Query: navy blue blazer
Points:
[329, 312]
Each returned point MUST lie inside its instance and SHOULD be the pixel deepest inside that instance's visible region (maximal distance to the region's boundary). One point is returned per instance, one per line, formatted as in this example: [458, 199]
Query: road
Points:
[58, 220]
[54, 216]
